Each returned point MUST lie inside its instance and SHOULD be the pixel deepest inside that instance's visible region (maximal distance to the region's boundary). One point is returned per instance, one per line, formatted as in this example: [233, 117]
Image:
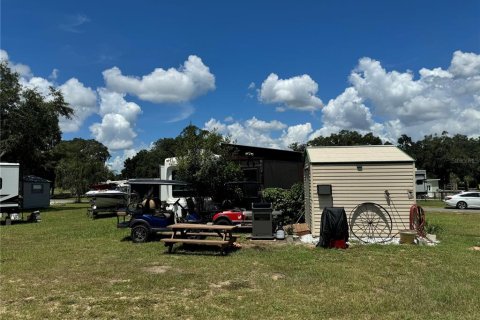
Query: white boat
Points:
[108, 196]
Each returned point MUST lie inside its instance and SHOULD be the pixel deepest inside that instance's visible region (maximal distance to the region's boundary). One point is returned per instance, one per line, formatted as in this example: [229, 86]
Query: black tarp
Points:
[333, 226]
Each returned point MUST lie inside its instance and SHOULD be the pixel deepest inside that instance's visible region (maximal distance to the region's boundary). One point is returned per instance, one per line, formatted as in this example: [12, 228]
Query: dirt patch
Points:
[261, 245]
[476, 248]
[278, 276]
[113, 281]
[220, 285]
[157, 269]
[231, 285]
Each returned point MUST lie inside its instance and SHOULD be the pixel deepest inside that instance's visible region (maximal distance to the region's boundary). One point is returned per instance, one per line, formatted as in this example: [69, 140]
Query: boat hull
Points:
[100, 200]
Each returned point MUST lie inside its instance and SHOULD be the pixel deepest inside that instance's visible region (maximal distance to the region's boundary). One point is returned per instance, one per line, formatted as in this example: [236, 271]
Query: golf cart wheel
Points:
[223, 222]
[462, 205]
[140, 233]
[371, 223]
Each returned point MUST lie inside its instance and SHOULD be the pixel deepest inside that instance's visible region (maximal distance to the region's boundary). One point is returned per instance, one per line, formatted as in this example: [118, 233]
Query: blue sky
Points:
[264, 72]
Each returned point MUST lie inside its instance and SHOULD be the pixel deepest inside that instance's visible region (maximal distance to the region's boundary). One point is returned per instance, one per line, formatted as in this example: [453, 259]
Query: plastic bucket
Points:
[407, 236]
[280, 235]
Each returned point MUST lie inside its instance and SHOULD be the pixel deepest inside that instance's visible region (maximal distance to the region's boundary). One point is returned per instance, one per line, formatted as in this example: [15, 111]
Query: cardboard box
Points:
[301, 229]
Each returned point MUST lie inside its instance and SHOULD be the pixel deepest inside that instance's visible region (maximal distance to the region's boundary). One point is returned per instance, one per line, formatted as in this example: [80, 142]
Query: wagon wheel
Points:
[370, 222]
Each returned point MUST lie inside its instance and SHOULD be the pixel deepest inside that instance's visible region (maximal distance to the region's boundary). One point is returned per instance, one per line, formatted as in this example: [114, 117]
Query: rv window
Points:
[37, 188]
[1, 183]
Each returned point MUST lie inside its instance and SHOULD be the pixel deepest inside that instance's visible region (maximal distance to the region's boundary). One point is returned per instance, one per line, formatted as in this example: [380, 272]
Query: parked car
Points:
[464, 200]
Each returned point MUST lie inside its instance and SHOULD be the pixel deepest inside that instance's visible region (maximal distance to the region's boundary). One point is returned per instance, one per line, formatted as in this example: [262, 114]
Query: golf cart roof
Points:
[156, 181]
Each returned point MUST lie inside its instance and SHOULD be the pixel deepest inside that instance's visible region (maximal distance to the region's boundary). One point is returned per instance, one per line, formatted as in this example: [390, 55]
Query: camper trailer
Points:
[10, 195]
[9, 191]
[421, 189]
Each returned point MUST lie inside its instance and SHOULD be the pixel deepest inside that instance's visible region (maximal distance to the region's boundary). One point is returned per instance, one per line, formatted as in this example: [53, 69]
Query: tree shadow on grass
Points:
[60, 208]
[201, 250]
[187, 249]
[17, 222]
[105, 215]
[152, 238]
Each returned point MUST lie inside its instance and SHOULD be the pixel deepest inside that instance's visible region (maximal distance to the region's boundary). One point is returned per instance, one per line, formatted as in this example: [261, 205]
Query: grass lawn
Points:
[431, 203]
[71, 267]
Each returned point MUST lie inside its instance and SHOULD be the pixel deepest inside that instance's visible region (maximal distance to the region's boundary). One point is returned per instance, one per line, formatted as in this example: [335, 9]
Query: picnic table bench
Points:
[192, 233]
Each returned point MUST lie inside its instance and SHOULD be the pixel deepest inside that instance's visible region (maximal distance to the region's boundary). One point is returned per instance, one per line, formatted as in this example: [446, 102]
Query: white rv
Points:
[11, 196]
[420, 183]
[173, 195]
[167, 172]
[9, 190]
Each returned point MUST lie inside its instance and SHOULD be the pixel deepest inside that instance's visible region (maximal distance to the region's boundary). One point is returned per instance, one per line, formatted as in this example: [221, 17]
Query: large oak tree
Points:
[29, 124]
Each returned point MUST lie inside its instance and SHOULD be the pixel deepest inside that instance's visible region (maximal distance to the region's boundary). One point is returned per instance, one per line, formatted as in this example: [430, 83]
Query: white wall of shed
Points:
[308, 195]
[351, 187]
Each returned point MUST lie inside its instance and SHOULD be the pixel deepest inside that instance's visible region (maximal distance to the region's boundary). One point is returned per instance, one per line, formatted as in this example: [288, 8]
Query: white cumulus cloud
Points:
[114, 131]
[298, 93]
[165, 86]
[41, 85]
[390, 103]
[436, 72]
[261, 125]
[388, 91]
[347, 111]
[82, 99]
[465, 64]
[300, 133]
[113, 102]
[22, 69]
[116, 164]
[119, 116]
[255, 132]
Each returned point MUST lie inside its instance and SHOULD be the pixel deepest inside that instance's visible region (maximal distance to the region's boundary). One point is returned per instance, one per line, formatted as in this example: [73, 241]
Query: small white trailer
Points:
[9, 191]
[10, 197]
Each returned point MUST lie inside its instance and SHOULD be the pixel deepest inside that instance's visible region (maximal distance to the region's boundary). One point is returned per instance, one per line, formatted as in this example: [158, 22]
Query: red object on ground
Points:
[338, 244]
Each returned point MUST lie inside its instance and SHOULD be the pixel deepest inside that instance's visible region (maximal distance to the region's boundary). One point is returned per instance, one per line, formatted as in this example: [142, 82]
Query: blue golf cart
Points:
[149, 215]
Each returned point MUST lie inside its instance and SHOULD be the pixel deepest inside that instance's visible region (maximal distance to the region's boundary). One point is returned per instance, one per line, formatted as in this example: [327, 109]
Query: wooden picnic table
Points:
[201, 234]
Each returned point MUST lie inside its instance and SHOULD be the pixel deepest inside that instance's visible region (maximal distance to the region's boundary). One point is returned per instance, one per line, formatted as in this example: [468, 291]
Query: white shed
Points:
[382, 178]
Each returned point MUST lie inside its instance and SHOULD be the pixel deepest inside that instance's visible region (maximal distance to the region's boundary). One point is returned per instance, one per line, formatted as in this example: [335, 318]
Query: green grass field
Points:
[70, 267]
[431, 203]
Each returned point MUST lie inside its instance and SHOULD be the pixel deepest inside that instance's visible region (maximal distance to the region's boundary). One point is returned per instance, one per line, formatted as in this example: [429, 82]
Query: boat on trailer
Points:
[107, 197]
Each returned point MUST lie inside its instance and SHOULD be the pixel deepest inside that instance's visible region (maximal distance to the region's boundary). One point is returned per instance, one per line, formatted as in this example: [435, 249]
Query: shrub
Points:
[289, 201]
[432, 228]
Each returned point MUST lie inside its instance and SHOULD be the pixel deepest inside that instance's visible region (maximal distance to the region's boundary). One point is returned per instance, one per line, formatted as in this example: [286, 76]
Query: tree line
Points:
[455, 160]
